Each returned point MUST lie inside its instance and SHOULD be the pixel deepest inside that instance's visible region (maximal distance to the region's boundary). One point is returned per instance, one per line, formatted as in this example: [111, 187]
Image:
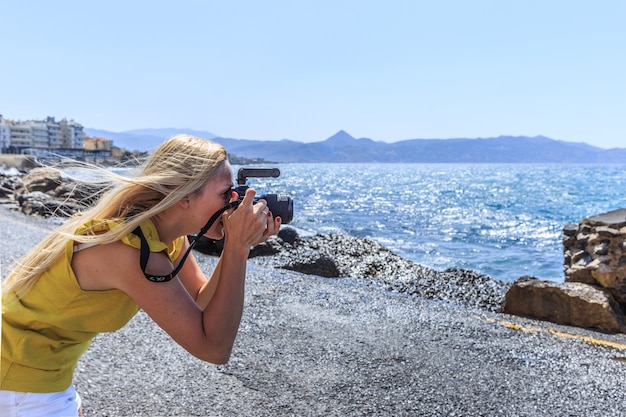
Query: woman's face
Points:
[216, 194]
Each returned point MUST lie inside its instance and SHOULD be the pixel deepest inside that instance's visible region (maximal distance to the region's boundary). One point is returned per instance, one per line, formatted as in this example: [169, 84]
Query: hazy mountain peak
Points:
[168, 132]
[340, 137]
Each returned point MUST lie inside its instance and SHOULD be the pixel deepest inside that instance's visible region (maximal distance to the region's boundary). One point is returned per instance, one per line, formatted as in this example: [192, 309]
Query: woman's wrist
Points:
[237, 250]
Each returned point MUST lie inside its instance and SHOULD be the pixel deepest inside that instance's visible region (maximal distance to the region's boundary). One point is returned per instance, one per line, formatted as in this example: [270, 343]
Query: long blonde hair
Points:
[180, 166]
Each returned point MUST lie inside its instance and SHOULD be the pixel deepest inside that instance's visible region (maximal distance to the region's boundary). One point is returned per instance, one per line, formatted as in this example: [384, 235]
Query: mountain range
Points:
[343, 148]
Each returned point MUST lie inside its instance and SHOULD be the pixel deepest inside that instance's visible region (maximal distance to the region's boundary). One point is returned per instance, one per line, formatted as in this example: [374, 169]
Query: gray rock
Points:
[9, 184]
[42, 179]
[571, 303]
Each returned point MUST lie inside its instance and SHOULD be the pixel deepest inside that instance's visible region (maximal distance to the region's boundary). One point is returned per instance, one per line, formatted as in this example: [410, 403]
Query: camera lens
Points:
[280, 205]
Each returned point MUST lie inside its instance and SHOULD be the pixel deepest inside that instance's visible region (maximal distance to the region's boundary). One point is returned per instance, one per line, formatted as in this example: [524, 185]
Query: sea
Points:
[502, 220]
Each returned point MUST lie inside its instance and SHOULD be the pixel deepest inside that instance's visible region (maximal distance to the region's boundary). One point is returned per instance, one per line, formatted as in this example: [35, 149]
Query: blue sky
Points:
[387, 70]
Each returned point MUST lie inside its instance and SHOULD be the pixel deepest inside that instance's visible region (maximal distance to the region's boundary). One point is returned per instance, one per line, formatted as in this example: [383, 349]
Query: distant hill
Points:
[143, 139]
[342, 147]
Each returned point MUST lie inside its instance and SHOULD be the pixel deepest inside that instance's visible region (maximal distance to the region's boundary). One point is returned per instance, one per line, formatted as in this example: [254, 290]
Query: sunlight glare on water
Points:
[504, 220]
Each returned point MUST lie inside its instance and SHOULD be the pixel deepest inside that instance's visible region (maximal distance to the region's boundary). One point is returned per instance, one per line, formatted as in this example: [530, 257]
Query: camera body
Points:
[279, 204]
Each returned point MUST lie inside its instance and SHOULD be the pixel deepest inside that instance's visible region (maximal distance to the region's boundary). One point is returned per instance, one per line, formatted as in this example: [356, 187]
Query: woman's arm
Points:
[192, 276]
[195, 281]
[247, 226]
[207, 333]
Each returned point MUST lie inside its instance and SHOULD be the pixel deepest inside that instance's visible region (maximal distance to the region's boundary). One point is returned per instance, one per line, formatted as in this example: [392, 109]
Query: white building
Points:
[20, 136]
[72, 135]
[39, 134]
[54, 133]
[5, 135]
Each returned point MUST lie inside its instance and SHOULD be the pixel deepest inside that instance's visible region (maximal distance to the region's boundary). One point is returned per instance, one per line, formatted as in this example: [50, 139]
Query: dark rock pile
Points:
[9, 183]
[337, 256]
[45, 192]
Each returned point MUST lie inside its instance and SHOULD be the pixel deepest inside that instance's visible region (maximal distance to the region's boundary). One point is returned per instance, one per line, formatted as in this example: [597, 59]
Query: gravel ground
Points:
[312, 346]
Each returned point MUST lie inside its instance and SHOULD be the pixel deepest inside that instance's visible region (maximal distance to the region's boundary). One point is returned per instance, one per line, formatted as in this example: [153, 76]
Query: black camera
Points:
[279, 204]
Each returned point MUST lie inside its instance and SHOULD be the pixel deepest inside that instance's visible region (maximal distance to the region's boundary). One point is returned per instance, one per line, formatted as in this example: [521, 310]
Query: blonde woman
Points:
[130, 252]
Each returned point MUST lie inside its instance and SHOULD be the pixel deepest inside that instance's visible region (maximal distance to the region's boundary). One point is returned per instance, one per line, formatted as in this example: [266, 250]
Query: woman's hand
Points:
[251, 223]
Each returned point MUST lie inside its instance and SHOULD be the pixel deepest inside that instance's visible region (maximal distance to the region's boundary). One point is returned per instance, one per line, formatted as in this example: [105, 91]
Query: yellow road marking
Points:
[563, 335]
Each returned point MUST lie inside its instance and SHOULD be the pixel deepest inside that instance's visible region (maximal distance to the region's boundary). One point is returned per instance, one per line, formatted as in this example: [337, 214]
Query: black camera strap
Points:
[145, 248]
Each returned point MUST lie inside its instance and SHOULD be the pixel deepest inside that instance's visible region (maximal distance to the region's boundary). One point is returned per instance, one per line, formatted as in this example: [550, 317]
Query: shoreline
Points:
[310, 345]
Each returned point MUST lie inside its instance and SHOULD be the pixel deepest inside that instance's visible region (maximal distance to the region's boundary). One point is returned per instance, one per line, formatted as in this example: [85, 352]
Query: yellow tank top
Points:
[45, 333]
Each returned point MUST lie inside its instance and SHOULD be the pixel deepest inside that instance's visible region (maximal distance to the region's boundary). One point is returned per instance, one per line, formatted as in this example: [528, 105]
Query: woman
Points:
[128, 252]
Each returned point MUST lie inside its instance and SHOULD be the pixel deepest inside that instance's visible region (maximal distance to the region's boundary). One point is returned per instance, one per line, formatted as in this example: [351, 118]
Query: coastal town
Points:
[23, 142]
[51, 138]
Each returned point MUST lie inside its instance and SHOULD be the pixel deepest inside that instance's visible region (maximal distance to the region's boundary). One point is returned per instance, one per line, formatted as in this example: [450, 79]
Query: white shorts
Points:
[34, 404]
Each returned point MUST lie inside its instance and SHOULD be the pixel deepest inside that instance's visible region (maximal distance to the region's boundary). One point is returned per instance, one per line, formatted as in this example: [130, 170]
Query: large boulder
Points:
[46, 192]
[42, 179]
[571, 303]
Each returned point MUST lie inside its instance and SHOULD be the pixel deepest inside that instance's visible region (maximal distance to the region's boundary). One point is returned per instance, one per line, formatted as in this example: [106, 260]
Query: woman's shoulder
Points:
[97, 226]
[146, 234]
[100, 267]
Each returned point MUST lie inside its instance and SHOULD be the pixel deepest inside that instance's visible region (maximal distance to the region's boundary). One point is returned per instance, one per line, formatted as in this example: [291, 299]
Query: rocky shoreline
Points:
[337, 256]
[594, 260]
